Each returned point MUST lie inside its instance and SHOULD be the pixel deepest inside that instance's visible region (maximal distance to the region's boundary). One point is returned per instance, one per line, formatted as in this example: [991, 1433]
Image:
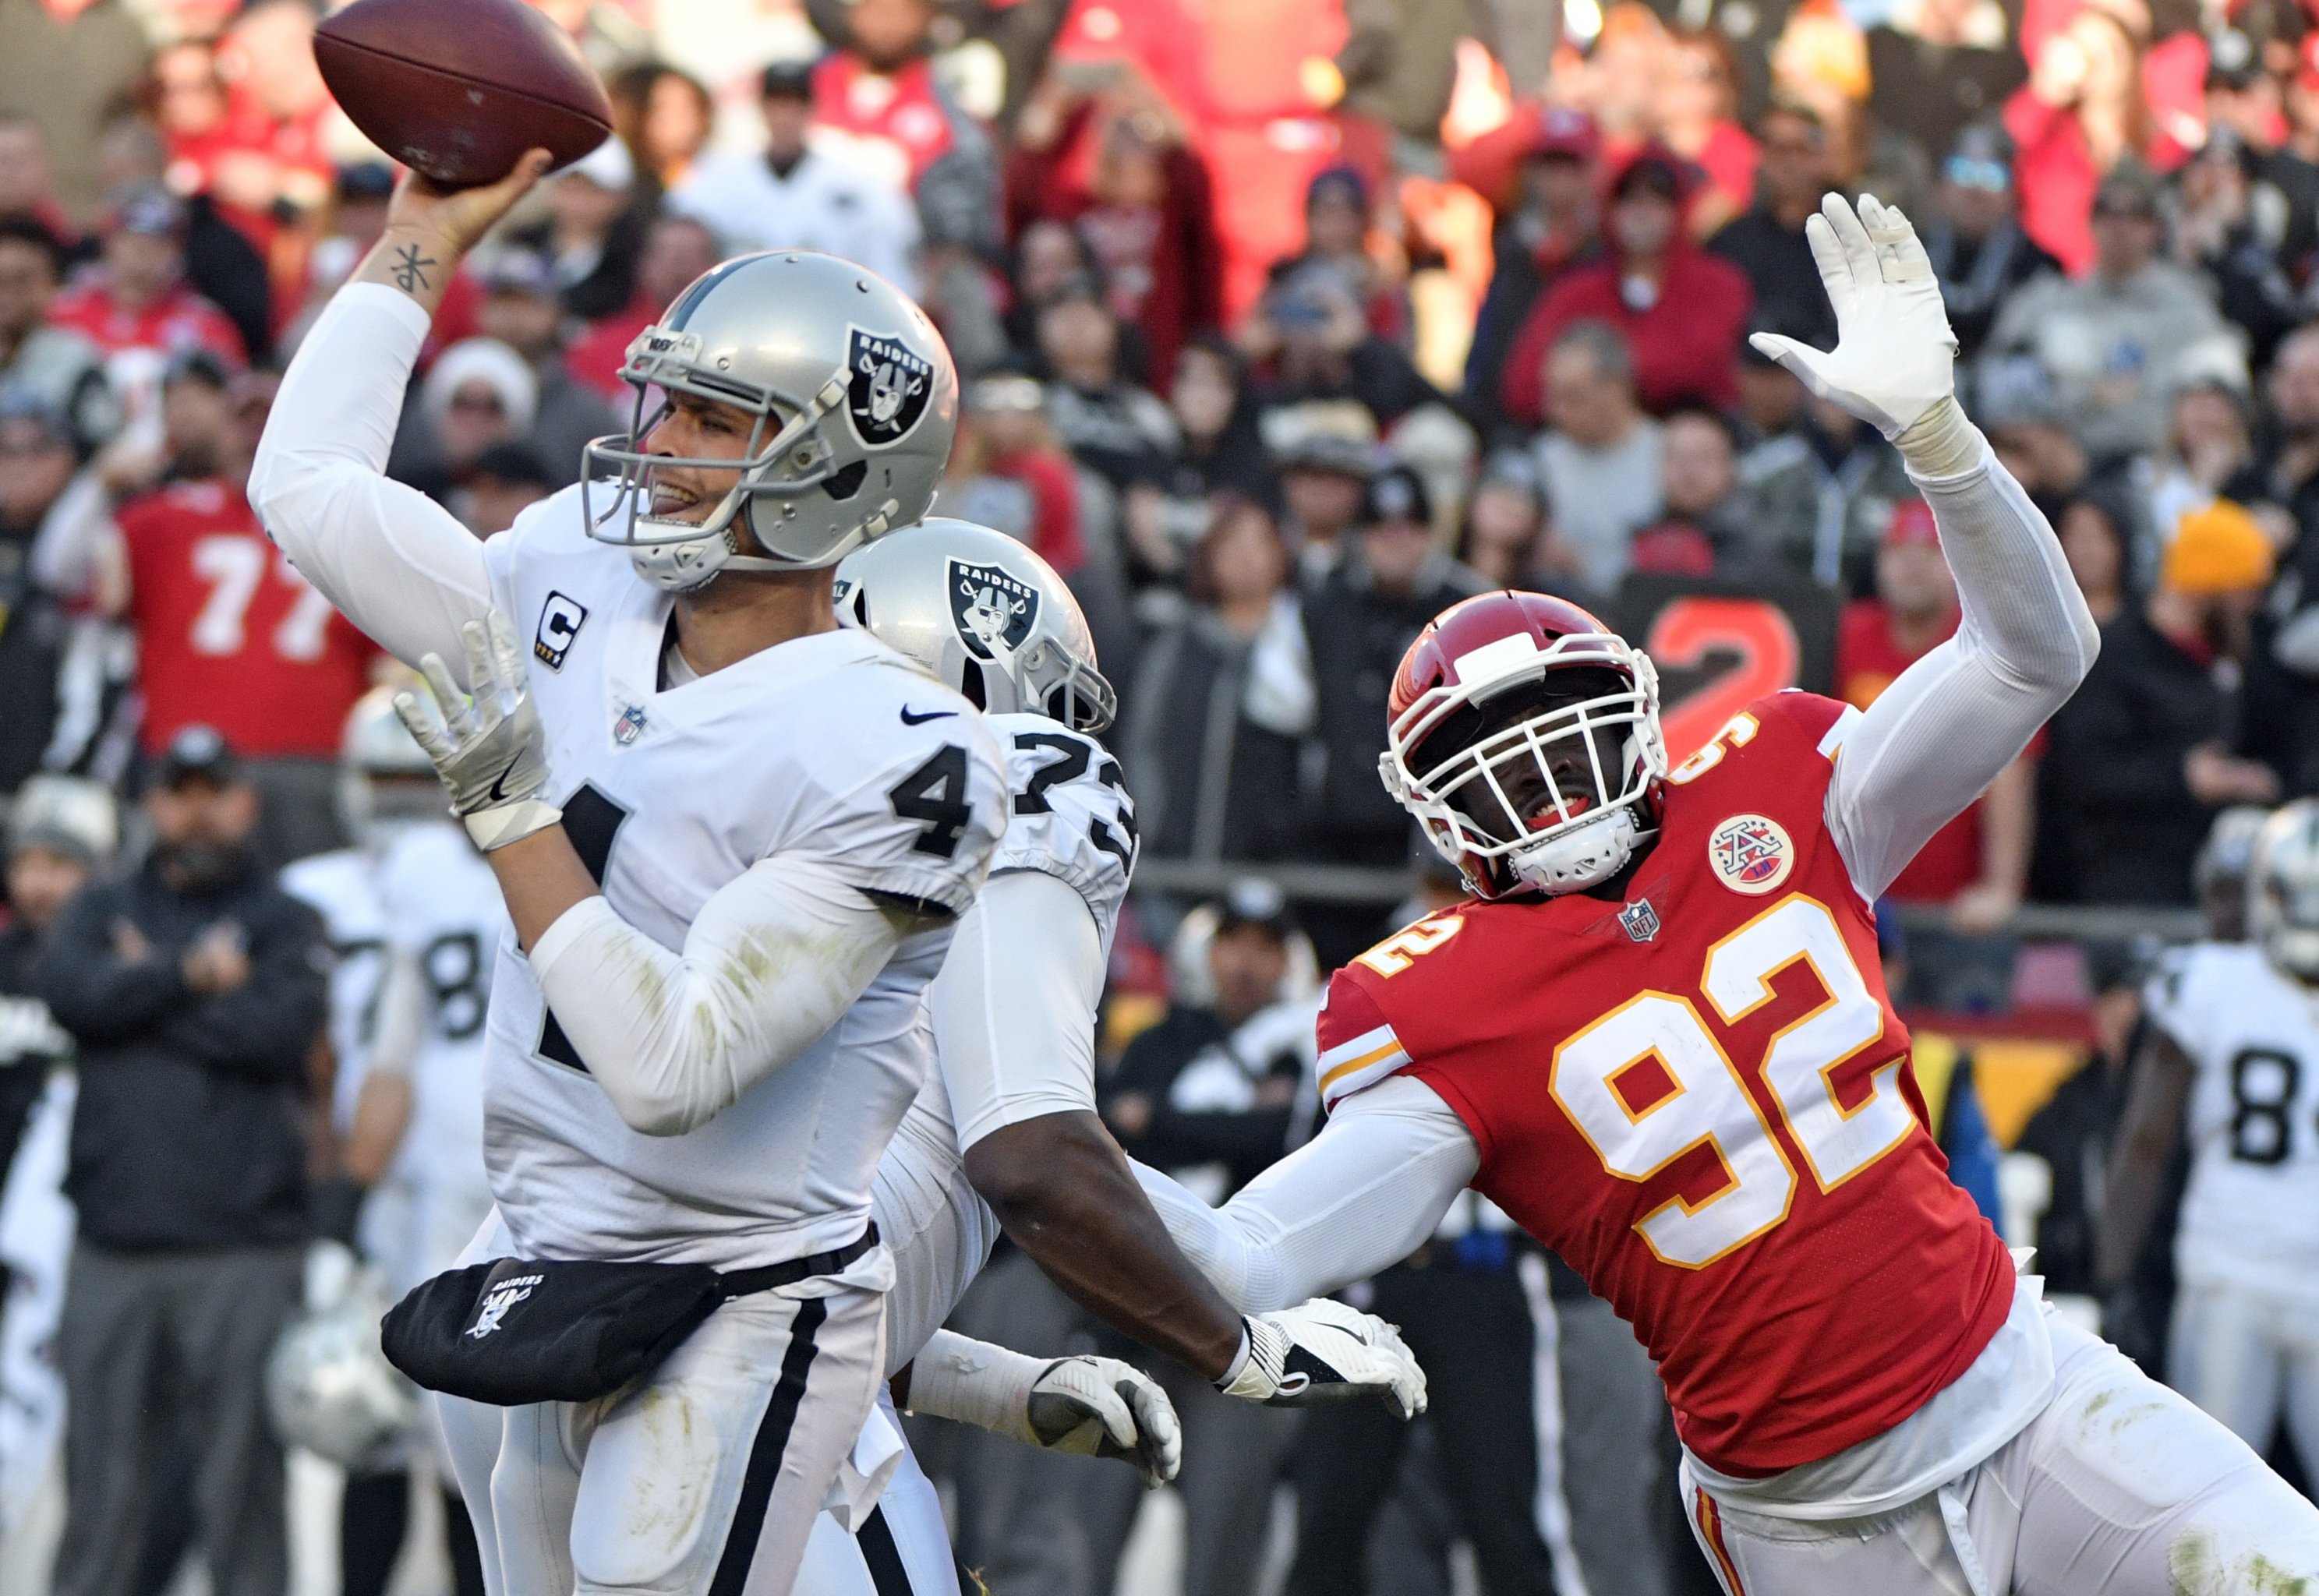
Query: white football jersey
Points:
[831, 746]
[1070, 817]
[342, 888]
[2251, 1210]
[445, 913]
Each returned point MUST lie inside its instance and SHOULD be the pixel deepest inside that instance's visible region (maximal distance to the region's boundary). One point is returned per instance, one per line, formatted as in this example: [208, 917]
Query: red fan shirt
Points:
[228, 634]
[1701, 1097]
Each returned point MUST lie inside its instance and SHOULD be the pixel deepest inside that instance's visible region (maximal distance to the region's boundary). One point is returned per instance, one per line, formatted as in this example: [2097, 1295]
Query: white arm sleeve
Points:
[1940, 734]
[402, 1014]
[1014, 1008]
[1359, 1197]
[399, 565]
[771, 962]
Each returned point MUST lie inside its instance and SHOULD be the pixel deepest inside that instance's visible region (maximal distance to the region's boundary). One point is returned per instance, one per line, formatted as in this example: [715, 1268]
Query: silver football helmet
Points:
[985, 615]
[854, 400]
[385, 779]
[2283, 889]
[2228, 851]
[329, 1387]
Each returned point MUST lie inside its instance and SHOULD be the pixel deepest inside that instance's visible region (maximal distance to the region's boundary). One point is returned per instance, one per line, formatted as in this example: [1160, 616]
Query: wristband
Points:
[954, 1376]
[494, 828]
[1940, 443]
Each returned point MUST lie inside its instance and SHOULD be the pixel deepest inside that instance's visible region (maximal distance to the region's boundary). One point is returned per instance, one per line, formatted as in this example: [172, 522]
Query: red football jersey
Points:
[228, 634]
[1701, 1098]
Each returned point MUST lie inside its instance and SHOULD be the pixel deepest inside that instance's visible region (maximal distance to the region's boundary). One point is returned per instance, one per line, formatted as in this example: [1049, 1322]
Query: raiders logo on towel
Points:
[887, 388]
[994, 611]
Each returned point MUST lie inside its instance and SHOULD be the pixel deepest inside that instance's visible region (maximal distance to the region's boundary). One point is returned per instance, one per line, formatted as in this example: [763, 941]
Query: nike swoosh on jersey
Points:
[910, 720]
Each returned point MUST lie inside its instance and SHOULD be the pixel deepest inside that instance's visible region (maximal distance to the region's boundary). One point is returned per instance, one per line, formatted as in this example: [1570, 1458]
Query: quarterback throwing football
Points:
[1658, 1036]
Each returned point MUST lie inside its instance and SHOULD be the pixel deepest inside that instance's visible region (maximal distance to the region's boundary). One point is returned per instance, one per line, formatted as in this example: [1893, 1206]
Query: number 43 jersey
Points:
[831, 747]
[1701, 1097]
[2251, 1214]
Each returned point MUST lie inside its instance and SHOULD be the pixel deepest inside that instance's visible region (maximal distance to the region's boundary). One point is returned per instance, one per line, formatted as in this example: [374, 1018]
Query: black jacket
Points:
[2112, 786]
[1210, 783]
[29, 1043]
[1786, 279]
[1245, 1141]
[188, 1134]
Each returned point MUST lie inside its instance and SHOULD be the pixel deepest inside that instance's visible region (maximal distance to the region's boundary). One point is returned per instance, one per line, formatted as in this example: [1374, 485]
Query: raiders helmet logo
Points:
[993, 610]
[888, 385]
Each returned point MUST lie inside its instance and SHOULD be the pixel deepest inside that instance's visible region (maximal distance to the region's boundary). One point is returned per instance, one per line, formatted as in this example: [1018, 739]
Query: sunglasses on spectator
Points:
[1987, 176]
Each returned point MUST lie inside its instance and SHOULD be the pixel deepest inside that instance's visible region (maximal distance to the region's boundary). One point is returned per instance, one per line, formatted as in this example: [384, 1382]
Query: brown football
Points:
[459, 89]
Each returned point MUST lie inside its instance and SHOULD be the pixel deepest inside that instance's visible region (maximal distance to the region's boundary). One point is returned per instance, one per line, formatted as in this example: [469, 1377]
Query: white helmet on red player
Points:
[1523, 734]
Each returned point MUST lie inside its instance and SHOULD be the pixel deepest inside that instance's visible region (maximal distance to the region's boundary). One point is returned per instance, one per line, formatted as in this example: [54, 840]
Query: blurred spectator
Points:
[1220, 449]
[593, 231]
[521, 311]
[1706, 521]
[1977, 865]
[37, 464]
[1114, 161]
[250, 136]
[1221, 697]
[1547, 224]
[1359, 622]
[799, 193]
[1794, 173]
[1047, 255]
[107, 50]
[2141, 759]
[1600, 458]
[221, 265]
[1307, 340]
[479, 393]
[664, 115]
[2071, 1135]
[194, 992]
[2082, 112]
[28, 178]
[1697, 99]
[1009, 471]
[1336, 249]
[1323, 453]
[2098, 541]
[1939, 67]
[1679, 311]
[2021, 414]
[1120, 431]
[2209, 446]
[357, 218]
[1977, 247]
[192, 443]
[2116, 343]
[505, 480]
[60, 368]
[1506, 538]
[230, 635]
[61, 831]
[677, 249]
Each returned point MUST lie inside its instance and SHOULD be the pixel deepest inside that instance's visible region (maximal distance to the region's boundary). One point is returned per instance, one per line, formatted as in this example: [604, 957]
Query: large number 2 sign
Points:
[1640, 1120]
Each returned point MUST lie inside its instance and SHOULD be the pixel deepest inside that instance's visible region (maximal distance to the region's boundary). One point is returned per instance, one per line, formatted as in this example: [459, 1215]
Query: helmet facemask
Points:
[1540, 783]
[2285, 916]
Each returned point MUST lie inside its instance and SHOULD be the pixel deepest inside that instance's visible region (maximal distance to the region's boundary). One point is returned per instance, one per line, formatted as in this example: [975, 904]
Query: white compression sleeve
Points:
[1014, 1008]
[1358, 1197]
[771, 962]
[1935, 738]
[397, 563]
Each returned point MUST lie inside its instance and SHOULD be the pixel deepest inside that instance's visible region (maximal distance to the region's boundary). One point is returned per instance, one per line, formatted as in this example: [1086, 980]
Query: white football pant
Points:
[702, 1480]
[2246, 1356]
[2120, 1487]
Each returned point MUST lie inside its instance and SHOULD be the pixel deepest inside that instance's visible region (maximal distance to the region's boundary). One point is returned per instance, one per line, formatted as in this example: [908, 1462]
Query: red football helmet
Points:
[1523, 734]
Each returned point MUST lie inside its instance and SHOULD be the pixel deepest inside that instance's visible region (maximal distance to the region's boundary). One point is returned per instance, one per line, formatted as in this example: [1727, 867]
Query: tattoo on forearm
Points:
[410, 268]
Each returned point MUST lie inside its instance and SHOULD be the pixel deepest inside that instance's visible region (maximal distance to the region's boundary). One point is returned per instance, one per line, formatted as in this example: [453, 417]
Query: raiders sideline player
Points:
[733, 839]
[1005, 1135]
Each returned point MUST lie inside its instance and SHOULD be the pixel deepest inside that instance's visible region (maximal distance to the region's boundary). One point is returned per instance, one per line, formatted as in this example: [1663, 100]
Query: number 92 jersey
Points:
[1698, 1096]
[2251, 1214]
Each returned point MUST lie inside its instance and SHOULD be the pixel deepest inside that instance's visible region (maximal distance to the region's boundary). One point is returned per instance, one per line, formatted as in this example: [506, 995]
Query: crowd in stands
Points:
[1282, 327]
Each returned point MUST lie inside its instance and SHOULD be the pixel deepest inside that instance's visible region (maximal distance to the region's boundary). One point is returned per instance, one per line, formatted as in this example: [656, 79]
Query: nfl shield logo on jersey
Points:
[994, 611]
[1642, 920]
[630, 725]
[887, 388]
[1750, 854]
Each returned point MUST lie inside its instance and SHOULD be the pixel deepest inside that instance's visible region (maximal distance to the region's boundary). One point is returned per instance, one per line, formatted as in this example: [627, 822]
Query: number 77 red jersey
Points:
[1701, 1097]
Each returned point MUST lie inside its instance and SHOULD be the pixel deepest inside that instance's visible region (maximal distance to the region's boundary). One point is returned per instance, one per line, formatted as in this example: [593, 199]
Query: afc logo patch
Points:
[1750, 854]
[886, 386]
[993, 611]
[560, 619]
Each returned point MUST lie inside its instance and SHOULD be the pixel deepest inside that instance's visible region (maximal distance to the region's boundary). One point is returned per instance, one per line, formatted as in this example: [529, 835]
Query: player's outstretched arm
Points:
[398, 563]
[772, 960]
[1940, 734]
[1359, 1197]
[1095, 1407]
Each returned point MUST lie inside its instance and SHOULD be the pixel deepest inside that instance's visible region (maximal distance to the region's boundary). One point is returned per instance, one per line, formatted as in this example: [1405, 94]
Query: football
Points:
[459, 89]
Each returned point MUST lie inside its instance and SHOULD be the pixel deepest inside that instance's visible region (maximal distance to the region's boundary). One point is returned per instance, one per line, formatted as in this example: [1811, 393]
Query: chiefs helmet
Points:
[1523, 734]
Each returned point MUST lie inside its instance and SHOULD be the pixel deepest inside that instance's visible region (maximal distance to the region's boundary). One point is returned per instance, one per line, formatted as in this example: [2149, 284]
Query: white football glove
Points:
[1323, 1351]
[1894, 362]
[488, 748]
[1095, 1407]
